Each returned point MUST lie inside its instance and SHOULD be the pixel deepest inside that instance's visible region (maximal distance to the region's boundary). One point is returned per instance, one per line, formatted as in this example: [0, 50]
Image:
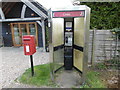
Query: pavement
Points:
[68, 79]
[13, 63]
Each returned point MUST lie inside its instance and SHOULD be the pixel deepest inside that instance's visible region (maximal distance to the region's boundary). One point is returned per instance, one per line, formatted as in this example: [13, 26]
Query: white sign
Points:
[27, 49]
[49, 24]
[70, 39]
[68, 24]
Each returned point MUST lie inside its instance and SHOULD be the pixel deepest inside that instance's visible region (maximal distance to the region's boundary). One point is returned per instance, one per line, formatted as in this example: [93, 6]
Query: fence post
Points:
[93, 47]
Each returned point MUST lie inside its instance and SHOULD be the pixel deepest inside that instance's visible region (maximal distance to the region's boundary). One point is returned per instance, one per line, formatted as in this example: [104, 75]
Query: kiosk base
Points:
[68, 79]
[67, 69]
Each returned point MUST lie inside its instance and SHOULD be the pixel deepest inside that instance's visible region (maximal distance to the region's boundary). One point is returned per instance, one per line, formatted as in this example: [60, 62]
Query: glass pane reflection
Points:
[23, 29]
[32, 29]
[16, 34]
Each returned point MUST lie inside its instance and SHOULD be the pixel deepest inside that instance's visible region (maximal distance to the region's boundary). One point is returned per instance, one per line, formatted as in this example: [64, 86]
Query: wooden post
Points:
[93, 47]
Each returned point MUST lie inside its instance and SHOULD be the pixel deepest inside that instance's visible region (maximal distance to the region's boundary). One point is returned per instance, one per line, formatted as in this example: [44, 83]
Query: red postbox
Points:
[29, 44]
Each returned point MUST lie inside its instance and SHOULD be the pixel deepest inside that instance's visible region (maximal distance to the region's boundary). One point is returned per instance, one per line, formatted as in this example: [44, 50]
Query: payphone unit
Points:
[69, 36]
[68, 43]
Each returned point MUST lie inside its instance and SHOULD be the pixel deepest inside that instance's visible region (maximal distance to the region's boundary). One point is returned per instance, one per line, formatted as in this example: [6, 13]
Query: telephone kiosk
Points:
[68, 38]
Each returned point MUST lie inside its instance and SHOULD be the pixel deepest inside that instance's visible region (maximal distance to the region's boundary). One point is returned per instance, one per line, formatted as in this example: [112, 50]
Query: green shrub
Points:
[104, 15]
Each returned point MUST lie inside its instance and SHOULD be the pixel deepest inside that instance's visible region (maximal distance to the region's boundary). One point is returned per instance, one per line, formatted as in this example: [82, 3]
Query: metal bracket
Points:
[2, 14]
[23, 11]
[34, 8]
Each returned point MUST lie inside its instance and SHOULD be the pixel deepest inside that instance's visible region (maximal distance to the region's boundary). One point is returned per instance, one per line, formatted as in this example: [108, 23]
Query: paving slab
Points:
[68, 79]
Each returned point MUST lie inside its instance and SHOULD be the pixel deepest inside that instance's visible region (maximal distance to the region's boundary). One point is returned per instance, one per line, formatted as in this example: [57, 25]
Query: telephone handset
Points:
[66, 39]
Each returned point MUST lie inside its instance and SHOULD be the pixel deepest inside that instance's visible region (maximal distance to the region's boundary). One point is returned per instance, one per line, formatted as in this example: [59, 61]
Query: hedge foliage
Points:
[104, 15]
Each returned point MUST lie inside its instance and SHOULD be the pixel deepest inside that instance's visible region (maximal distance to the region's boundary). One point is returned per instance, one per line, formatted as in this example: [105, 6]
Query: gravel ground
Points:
[14, 63]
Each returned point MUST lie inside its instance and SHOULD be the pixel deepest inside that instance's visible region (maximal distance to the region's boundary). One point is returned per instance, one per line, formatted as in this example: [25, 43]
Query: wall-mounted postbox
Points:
[29, 44]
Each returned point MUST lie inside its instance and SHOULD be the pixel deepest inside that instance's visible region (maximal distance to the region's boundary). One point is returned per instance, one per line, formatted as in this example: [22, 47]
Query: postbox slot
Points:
[26, 39]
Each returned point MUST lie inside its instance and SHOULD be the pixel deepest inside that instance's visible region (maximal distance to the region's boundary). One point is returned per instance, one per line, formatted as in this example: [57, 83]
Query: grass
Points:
[109, 64]
[93, 80]
[40, 78]
[100, 66]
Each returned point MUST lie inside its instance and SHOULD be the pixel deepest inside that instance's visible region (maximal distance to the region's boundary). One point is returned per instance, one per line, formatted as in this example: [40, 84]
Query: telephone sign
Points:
[69, 14]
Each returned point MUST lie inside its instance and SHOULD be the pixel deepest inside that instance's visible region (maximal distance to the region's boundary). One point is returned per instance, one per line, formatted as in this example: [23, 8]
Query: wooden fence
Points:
[102, 46]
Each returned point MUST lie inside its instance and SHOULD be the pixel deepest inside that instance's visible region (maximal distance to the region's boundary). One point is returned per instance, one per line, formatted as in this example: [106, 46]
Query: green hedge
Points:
[104, 15]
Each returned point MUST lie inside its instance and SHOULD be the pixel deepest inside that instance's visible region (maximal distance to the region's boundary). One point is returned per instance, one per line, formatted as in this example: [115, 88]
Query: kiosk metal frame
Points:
[69, 38]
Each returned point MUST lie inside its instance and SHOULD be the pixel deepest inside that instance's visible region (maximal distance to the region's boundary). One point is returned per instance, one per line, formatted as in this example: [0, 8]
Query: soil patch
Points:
[110, 78]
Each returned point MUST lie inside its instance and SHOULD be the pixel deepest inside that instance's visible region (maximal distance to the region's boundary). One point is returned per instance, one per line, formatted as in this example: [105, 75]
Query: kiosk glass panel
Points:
[58, 31]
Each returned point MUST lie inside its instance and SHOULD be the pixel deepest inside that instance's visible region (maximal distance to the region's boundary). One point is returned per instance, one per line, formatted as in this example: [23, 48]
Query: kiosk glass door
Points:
[58, 42]
[78, 42]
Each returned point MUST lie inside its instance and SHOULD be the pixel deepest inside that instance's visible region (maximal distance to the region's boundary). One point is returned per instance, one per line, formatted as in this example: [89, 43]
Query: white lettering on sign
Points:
[27, 49]
[82, 14]
[66, 14]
